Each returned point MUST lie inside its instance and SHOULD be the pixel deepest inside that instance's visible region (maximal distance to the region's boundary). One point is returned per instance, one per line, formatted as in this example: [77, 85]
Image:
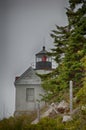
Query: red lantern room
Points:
[43, 61]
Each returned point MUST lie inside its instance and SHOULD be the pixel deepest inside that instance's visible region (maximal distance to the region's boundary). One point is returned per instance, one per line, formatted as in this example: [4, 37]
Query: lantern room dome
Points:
[43, 51]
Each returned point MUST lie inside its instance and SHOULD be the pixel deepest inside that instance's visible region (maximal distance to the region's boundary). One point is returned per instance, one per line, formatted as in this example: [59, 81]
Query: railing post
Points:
[38, 111]
[71, 96]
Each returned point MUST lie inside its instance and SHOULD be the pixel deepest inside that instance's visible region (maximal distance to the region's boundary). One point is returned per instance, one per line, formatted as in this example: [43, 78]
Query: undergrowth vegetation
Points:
[24, 123]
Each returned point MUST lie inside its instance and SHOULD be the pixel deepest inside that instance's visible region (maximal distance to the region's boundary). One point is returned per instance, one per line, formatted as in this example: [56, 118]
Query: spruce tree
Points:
[77, 42]
[69, 50]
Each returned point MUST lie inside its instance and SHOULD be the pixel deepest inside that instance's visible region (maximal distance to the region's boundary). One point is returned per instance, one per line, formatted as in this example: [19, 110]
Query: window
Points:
[30, 94]
[38, 59]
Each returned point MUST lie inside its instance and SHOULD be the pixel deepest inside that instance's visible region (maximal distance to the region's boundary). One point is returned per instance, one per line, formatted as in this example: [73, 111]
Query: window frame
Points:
[30, 96]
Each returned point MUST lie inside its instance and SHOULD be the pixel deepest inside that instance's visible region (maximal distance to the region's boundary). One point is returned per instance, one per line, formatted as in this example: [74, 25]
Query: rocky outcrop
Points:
[66, 118]
[63, 107]
[54, 110]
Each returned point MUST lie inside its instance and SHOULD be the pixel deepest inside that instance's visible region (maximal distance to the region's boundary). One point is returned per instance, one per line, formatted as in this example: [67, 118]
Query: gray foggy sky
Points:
[23, 26]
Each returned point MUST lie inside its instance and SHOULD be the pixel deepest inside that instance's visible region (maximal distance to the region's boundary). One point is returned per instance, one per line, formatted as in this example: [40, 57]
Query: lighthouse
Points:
[28, 85]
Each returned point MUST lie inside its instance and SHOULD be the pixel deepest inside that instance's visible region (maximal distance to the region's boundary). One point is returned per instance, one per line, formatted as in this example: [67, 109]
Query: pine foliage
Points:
[69, 50]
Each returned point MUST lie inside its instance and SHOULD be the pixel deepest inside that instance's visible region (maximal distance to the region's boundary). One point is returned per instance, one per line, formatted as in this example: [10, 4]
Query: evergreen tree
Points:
[69, 50]
[77, 42]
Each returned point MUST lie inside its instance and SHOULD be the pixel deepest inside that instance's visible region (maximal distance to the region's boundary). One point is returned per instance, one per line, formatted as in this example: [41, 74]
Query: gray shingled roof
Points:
[28, 77]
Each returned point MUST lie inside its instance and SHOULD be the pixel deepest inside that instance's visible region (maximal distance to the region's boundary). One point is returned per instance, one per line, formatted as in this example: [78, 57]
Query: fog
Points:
[24, 24]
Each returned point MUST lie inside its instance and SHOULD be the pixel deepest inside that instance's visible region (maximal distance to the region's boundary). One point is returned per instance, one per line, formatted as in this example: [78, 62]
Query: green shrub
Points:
[23, 123]
[7, 124]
